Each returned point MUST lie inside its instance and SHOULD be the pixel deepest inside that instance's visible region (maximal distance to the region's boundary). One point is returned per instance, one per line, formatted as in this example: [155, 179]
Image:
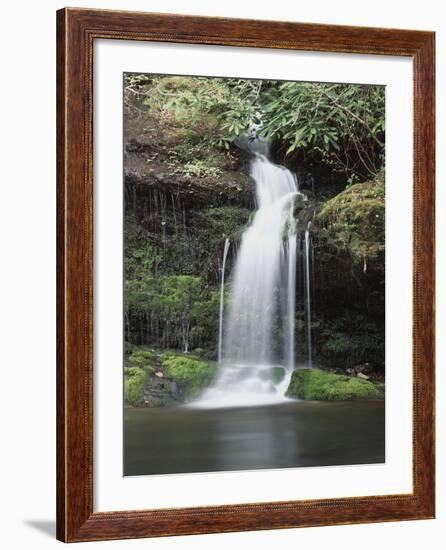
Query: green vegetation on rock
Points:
[353, 221]
[140, 357]
[138, 366]
[318, 385]
[191, 373]
[135, 379]
[181, 307]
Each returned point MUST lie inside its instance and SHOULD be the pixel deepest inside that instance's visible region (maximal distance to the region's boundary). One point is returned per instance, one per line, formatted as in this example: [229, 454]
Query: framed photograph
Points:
[245, 275]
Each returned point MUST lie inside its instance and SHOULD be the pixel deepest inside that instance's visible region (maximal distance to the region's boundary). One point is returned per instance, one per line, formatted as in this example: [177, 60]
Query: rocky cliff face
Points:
[183, 198]
[349, 276]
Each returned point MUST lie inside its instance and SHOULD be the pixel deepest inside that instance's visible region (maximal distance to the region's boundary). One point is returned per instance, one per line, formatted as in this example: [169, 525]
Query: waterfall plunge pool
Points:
[245, 385]
[285, 435]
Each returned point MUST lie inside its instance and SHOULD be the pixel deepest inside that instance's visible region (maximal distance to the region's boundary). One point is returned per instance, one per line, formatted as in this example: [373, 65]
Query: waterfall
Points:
[222, 291]
[291, 288]
[307, 252]
[256, 337]
[256, 278]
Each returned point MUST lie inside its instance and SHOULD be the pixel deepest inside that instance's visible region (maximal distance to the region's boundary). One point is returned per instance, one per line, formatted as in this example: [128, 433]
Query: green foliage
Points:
[213, 225]
[347, 349]
[351, 331]
[183, 117]
[142, 260]
[319, 385]
[166, 295]
[135, 81]
[191, 373]
[198, 103]
[183, 306]
[138, 367]
[141, 358]
[341, 125]
[338, 124]
[178, 307]
[140, 256]
[344, 124]
[135, 379]
[199, 168]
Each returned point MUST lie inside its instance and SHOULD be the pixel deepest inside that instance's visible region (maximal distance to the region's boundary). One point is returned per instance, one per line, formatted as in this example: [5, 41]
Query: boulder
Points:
[318, 385]
[160, 392]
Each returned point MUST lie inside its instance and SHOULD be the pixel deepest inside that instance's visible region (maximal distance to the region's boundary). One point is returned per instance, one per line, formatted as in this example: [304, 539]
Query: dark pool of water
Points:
[180, 440]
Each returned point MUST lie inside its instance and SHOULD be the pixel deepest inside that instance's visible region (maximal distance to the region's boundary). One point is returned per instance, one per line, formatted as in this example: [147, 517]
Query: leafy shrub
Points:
[318, 385]
[333, 122]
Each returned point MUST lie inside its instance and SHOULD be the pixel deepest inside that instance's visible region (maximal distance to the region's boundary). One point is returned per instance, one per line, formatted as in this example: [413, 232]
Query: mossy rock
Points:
[318, 385]
[135, 379]
[191, 373]
[140, 357]
[353, 221]
[138, 367]
[161, 392]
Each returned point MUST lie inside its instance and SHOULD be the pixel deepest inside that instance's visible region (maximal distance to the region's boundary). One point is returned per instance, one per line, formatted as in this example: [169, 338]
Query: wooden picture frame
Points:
[76, 31]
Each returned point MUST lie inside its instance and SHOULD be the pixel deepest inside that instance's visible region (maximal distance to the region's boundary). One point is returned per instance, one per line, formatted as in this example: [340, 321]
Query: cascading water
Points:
[308, 251]
[252, 370]
[291, 288]
[222, 292]
[257, 278]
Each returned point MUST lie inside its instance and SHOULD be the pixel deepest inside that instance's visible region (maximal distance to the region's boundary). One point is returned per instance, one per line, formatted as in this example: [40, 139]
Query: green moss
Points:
[190, 373]
[198, 169]
[138, 367]
[134, 382]
[212, 225]
[353, 220]
[142, 358]
[318, 385]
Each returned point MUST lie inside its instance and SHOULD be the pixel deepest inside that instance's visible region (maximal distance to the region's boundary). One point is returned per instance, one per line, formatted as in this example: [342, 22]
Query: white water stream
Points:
[222, 295]
[308, 295]
[256, 364]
